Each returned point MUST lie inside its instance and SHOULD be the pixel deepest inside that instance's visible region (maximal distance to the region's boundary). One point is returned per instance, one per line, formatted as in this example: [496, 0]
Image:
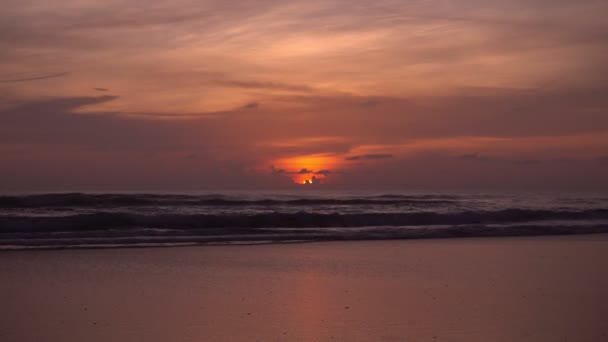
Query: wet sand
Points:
[476, 289]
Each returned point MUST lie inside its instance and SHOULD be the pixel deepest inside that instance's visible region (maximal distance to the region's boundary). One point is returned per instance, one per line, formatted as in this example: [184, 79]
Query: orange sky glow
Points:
[303, 168]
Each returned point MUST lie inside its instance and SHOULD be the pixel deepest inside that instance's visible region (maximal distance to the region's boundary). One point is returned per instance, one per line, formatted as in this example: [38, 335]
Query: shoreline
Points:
[257, 240]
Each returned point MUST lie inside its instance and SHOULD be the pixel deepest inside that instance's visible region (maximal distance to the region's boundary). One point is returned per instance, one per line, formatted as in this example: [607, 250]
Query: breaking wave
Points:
[104, 220]
[97, 220]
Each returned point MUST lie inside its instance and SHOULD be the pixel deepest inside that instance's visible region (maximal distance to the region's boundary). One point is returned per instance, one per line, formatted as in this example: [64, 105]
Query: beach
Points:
[473, 289]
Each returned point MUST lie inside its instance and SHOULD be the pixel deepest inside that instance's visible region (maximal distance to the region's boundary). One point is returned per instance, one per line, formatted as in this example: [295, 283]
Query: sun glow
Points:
[307, 170]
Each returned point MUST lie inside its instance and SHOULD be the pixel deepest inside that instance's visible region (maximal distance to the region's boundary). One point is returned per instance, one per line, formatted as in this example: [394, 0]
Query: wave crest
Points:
[107, 220]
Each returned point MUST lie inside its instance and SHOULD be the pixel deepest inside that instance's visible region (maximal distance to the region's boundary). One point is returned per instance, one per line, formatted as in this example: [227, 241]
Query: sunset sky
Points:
[384, 94]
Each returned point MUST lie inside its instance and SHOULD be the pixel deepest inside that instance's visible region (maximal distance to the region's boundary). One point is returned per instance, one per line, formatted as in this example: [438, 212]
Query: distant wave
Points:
[107, 220]
[115, 200]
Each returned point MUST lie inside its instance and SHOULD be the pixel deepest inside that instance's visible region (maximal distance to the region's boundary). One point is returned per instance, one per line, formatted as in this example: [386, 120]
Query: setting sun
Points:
[307, 170]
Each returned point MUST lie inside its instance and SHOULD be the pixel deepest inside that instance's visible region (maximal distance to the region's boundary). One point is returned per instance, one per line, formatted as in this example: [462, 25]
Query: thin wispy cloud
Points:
[34, 78]
[370, 157]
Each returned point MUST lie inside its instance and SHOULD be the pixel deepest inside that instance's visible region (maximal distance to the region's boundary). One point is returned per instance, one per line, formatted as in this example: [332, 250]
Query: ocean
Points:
[77, 220]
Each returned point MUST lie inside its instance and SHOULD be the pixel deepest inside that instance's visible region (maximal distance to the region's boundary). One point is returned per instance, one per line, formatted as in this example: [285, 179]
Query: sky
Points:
[268, 94]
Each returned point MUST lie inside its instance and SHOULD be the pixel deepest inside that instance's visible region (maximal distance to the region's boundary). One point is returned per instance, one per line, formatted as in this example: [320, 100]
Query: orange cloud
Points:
[303, 168]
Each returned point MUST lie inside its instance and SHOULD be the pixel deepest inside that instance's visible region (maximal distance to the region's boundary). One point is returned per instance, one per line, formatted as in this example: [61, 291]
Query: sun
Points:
[308, 169]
